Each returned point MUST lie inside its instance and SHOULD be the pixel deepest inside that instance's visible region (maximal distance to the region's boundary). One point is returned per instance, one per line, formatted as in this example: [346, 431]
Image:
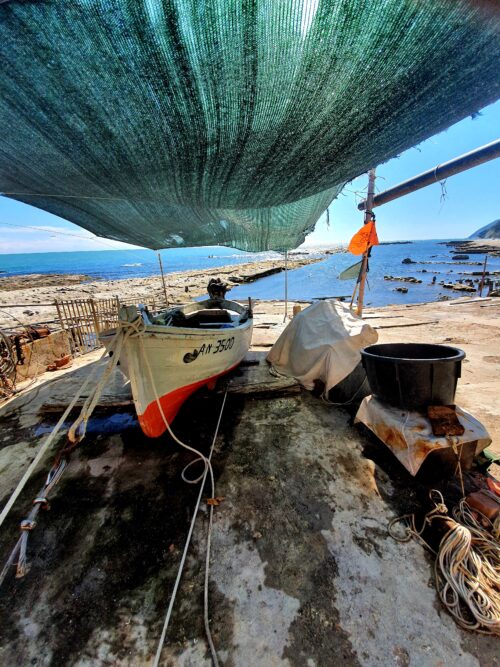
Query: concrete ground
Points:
[303, 571]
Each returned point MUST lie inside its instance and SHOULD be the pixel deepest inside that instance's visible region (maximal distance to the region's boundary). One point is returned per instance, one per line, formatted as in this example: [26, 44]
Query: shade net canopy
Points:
[236, 122]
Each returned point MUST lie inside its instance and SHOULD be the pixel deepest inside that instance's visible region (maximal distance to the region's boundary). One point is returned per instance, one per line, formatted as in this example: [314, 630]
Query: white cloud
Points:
[50, 238]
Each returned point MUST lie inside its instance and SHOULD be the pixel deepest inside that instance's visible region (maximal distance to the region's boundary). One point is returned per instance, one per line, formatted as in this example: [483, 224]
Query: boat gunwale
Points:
[188, 332]
[180, 332]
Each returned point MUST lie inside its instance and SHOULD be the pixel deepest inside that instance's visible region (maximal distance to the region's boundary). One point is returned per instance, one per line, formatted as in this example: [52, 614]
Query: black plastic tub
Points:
[413, 375]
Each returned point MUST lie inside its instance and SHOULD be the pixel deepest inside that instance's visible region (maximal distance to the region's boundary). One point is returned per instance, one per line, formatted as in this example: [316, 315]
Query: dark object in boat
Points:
[217, 289]
[207, 316]
[444, 420]
[403, 290]
[413, 375]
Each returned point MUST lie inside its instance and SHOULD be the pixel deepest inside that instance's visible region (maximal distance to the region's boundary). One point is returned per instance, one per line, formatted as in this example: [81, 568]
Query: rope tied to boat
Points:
[75, 435]
[467, 565]
[125, 329]
[207, 470]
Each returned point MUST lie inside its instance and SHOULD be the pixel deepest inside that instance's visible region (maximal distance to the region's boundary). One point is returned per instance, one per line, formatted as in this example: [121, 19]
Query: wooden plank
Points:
[26, 305]
[459, 302]
[105, 403]
[383, 316]
[253, 377]
[409, 324]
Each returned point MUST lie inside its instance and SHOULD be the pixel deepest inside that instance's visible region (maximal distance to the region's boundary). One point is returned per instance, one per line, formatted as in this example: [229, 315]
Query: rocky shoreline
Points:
[29, 298]
[36, 280]
[476, 247]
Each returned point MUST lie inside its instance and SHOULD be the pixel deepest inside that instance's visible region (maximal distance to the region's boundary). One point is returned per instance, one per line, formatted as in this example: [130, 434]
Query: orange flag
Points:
[364, 239]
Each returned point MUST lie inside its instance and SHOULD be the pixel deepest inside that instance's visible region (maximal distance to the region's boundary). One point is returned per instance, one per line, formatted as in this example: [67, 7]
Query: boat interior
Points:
[213, 313]
[209, 314]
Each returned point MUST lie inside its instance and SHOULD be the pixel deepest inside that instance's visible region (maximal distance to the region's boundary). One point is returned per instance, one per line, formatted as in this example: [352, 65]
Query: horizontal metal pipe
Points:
[455, 166]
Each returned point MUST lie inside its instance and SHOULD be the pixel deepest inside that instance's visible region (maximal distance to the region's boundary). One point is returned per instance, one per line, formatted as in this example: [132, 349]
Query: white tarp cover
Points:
[323, 342]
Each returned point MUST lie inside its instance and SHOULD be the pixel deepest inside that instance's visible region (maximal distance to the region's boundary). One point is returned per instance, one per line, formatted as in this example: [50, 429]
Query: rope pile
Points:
[467, 565]
[467, 572]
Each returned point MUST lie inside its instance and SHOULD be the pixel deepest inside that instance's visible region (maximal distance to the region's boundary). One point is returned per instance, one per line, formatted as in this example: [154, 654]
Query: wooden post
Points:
[286, 286]
[59, 314]
[481, 284]
[95, 317]
[368, 218]
[163, 280]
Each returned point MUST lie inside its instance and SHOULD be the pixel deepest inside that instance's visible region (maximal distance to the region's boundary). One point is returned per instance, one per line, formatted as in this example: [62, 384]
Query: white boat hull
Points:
[168, 364]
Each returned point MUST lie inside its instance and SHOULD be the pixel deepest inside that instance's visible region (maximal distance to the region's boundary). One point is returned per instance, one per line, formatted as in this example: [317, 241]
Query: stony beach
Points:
[30, 298]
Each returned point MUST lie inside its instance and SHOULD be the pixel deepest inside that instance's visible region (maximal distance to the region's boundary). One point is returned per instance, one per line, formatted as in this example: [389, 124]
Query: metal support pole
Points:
[163, 280]
[286, 286]
[484, 273]
[368, 218]
[440, 171]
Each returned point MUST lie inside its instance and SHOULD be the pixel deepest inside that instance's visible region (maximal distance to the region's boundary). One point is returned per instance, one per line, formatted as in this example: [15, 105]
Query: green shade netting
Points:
[194, 122]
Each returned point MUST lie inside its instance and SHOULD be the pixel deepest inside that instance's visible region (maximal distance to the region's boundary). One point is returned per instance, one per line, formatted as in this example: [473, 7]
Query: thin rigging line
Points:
[48, 231]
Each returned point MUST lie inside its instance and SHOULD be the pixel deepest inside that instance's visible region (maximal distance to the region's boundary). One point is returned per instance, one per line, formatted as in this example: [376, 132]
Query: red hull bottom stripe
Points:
[151, 420]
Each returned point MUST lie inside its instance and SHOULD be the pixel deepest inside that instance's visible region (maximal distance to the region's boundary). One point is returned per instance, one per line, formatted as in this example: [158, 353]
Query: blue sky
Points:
[472, 200]
[472, 197]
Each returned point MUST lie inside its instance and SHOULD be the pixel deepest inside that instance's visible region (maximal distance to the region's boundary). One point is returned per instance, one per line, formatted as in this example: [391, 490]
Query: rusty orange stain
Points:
[391, 437]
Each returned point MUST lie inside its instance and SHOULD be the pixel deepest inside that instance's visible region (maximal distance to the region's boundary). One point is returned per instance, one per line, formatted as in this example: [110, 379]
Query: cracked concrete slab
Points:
[303, 571]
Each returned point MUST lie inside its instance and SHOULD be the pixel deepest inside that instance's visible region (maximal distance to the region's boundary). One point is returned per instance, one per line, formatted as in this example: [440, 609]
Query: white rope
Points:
[440, 510]
[61, 463]
[79, 427]
[28, 524]
[50, 439]
[207, 469]
[467, 566]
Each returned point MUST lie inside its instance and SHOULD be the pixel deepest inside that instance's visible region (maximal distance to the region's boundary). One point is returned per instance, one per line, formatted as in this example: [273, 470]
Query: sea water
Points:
[314, 281]
[117, 264]
[321, 280]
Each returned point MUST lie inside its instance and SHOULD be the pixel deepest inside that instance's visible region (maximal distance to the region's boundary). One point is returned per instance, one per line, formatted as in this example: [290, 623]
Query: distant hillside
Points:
[491, 231]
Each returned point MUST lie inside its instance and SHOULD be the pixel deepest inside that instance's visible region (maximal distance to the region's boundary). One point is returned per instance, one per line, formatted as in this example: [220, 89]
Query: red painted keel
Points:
[151, 420]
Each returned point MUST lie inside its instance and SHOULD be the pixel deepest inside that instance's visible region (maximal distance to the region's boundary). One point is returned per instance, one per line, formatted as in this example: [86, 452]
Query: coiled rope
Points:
[467, 565]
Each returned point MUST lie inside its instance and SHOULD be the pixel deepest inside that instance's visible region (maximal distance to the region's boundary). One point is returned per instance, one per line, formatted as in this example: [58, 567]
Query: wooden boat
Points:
[179, 350]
